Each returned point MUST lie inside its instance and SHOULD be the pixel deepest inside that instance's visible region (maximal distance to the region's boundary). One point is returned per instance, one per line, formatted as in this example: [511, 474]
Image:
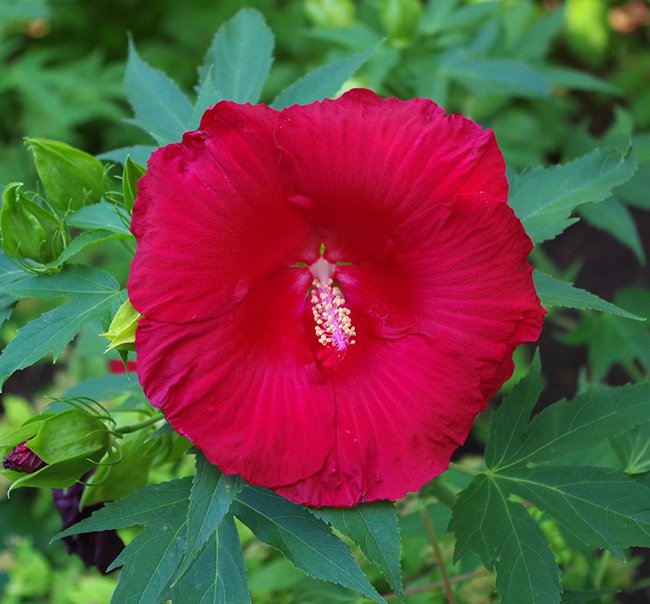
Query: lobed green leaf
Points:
[302, 538]
[543, 198]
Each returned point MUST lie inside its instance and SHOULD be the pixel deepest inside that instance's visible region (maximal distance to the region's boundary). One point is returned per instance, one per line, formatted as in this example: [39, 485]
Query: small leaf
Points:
[159, 105]
[240, 58]
[210, 499]
[101, 215]
[302, 538]
[218, 575]
[86, 240]
[510, 420]
[583, 422]
[553, 292]
[506, 538]
[374, 527]
[323, 82]
[543, 198]
[156, 503]
[598, 506]
[132, 173]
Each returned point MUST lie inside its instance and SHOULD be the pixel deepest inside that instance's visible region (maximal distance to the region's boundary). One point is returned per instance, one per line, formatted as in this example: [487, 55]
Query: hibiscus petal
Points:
[245, 388]
[402, 407]
[211, 218]
[359, 165]
[467, 283]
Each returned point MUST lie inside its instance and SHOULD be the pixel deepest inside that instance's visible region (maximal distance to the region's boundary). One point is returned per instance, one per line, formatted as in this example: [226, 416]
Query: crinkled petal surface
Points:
[409, 207]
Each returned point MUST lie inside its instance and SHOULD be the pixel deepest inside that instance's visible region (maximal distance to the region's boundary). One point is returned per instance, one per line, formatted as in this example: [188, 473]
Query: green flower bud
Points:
[121, 331]
[70, 444]
[71, 178]
[330, 13]
[400, 18]
[28, 230]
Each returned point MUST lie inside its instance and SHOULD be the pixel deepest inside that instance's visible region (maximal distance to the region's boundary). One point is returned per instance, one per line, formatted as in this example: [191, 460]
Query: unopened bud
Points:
[330, 13]
[29, 230]
[400, 18]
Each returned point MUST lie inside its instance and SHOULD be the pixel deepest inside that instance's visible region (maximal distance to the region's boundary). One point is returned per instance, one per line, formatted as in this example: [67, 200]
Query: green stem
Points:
[139, 426]
[441, 492]
[440, 561]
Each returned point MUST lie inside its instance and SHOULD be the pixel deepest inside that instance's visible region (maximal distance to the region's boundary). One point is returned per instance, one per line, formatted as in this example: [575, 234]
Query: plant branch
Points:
[438, 584]
[139, 426]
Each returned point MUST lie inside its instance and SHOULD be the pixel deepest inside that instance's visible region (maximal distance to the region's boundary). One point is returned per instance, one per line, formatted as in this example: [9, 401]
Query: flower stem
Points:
[439, 558]
[139, 426]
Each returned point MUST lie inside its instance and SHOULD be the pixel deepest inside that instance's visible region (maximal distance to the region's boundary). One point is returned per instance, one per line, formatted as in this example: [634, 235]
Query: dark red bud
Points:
[22, 459]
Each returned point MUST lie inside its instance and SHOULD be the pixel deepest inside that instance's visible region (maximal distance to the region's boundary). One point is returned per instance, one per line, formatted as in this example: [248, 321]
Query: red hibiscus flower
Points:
[331, 292]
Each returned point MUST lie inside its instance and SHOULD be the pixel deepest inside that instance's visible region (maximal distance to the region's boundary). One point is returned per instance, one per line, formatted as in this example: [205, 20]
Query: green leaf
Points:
[74, 280]
[584, 597]
[71, 178]
[598, 506]
[302, 538]
[614, 218]
[149, 563]
[510, 420]
[138, 153]
[205, 98]
[508, 540]
[101, 215]
[51, 332]
[583, 422]
[112, 482]
[633, 449]
[86, 240]
[156, 503]
[553, 292]
[374, 527]
[132, 173]
[574, 79]
[323, 82]
[210, 499]
[543, 198]
[494, 76]
[218, 575]
[614, 340]
[240, 57]
[159, 105]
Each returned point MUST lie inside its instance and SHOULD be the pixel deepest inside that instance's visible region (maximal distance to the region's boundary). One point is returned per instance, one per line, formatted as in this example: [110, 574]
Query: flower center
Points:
[334, 328]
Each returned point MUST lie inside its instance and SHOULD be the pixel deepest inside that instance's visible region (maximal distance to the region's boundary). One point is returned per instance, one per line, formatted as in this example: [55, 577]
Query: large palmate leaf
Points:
[239, 59]
[598, 506]
[323, 82]
[581, 423]
[374, 527]
[159, 105]
[210, 499]
[543, 198]
[507, 540]
[218, 575]
[302, 538]
[52, 332]
[553, 292]
[156, 503]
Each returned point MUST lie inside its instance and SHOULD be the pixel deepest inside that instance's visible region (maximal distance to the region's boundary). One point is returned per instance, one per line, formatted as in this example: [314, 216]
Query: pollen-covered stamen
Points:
[334, 327]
